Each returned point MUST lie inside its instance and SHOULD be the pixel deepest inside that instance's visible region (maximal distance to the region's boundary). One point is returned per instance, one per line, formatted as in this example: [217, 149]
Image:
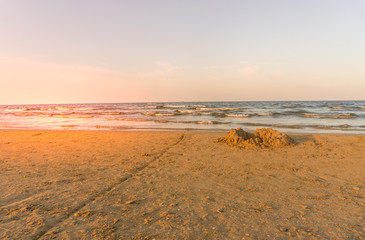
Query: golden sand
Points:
[175, 185]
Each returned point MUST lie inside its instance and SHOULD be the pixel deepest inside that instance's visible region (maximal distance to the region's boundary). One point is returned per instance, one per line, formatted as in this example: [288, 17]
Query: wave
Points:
[271, 125]
[210, 122]
[70, 126]
[39, 109]
[343, 127]
[239, 115]
[167, 121]
[217, 109]
[182, 106]
[79, 116]
[20, 114]
[331, 115]
[264, 114]
[295, 112]
[292, 106]
[105, 113]
[65, 108]
[131, 119]
[218, 114]
[165, 114]
[161, 114]
[151, 129]
[13, 110]
[13, 127]
[337, 107]
[186, 111]
[113, 127]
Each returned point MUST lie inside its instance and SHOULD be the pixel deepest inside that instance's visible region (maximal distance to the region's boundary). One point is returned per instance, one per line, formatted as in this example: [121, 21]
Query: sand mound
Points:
[263, 137]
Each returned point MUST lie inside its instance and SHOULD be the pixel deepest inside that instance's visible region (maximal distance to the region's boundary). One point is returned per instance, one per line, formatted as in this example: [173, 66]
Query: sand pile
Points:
[263, 137]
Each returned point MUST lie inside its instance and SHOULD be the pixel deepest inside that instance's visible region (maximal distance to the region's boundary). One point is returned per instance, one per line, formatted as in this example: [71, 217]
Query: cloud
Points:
[213, 67]
[27, 81]
[166, 66]
[22, 68]
[249, 71]
[263, 71]
[246, 69]
[277, 73]
[160, 72]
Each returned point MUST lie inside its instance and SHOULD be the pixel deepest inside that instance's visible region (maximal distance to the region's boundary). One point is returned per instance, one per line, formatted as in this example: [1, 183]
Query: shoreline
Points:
[158, 130]
[289, 117]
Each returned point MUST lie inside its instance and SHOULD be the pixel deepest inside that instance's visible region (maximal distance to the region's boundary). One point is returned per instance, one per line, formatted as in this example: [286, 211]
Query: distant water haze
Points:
[286, 116]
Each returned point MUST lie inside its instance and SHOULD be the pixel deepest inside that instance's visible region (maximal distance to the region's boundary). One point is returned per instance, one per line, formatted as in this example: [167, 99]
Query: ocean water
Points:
[285, 116]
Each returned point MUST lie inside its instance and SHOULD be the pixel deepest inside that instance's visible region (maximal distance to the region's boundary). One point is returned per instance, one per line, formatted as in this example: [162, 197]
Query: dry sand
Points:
[175, 185]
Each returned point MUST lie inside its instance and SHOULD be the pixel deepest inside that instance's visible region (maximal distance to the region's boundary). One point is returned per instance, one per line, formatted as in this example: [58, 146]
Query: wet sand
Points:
[178, 185]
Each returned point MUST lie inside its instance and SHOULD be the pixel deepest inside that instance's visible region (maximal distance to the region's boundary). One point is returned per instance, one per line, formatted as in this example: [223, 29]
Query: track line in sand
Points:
[24, 200]
[105, 191]
[27, 199]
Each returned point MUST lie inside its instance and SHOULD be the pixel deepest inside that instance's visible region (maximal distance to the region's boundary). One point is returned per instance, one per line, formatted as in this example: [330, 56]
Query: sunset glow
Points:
[181, 51]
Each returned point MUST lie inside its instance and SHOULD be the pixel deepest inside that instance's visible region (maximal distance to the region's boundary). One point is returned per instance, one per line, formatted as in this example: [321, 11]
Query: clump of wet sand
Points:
[262, 137]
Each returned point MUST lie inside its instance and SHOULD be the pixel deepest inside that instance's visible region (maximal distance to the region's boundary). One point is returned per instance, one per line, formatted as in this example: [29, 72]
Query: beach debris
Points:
[131, 202]
[83, 214]
[221, 210]
[262, 137]
[305, 207]
[145, 154]
[283, 229]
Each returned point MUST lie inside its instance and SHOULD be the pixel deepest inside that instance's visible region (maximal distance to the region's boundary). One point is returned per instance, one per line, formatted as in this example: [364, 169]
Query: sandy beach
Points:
[178, 185]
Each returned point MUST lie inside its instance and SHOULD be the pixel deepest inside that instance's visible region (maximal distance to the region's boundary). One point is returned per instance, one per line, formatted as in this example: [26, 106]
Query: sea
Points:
[285, 116]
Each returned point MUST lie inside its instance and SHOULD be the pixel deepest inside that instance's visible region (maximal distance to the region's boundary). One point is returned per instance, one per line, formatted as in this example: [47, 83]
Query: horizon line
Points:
[348, 100]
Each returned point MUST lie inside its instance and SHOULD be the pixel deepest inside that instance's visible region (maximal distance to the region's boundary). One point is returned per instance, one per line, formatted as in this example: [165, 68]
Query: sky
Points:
[88, 51]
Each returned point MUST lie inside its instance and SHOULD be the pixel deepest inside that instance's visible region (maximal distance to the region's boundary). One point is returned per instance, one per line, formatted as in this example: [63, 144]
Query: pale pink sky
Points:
[139, 51]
